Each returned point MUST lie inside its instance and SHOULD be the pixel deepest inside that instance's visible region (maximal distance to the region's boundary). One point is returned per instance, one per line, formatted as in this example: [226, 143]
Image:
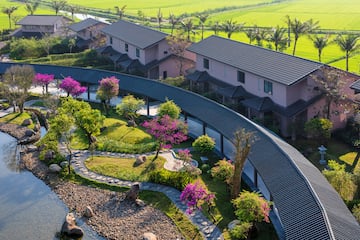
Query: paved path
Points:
[206, 227]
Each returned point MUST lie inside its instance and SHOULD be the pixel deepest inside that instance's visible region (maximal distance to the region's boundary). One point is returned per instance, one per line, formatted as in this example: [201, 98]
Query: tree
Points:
[169, 108]
[216, 27]
[204, 144]
[202, 19]
[159, 18]
[195, 195]
[223, 171]
[141, 15]
[348, 44]
[250, 33]
[319, 42]
[129, 107]
[230, 26]
[173, 21]
[62, 124]
[72, 9]
[299, 28]
[277, 36]
[43, 80]
[318, 128]
[108, 89]
[260, 35]
[288, 23]
[31, 7]
[71, 44]
[166, 131]
[120, 11]
[16, 84]
[242, 142]
[58, 5]
[9, 11]
[177, 46]
[342, 181]
[188, 27]
[72, 87]
[185, 156]
[356, 212]
[331, 84]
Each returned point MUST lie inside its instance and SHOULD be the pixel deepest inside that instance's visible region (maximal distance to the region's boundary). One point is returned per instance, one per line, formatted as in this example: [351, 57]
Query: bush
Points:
[169, 108]
[318, 128]
[204, 144]
[205, 167]
[241, 230]
[177, 180]
[223, 171]
[356, 212]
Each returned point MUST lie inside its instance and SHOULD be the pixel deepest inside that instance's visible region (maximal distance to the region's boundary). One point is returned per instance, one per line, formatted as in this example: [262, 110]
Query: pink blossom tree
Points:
[195, 195]
[166, 131]
[108, 89]
[185, 155]
[43, 80]
[72, 87]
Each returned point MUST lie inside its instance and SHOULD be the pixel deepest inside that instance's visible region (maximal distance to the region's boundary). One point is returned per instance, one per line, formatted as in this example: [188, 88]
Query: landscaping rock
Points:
[139, 161]
[70, 229]
[64, 164]
[131, 123]
[140, 202]
[29, 133]
[133, 193]
[27, 122]
[88, 212]
[32, 148]
[49, 155]
[55, 168]
[233, 223]
[149, 236]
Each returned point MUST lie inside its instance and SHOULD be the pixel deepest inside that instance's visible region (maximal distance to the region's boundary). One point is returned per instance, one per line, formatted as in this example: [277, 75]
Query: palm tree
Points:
[320, 42]
[348, 44]
[250, 33]
[31, 7]
[188, 27]
[216, 27]
[120, 11]
[72, 9]
[58, 5]
[173, 21]
[9, 11]
[260, 34]
[230, 27]
[202, 18]
[277, 36]
[288, 23]
[298, 28]
[159, 18]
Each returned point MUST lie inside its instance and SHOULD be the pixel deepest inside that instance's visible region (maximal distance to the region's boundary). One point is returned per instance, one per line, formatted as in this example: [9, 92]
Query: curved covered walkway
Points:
[305, 203]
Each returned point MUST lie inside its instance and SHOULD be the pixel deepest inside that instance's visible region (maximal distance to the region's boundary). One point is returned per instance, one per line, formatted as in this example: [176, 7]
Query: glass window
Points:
[164, 74]
[206, 63]
[126, 47]
[268, 87]
[111, 41]
[137, 52]
[241, 76]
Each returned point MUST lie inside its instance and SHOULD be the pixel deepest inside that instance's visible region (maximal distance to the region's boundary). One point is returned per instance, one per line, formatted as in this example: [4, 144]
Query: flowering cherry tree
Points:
[108, 88]
[185, 155]
[195, 195]
[72, 87]
[43, 80]
[167, 131]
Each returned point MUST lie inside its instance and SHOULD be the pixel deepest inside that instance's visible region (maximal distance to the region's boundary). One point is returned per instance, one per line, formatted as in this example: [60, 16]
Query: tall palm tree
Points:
[202, 18]
[230, 27]
[9, 11]
[277, 36]
[120, 11]
[159, 18]
[298, 28]
[260, 34]
[173, 21]
[319, 42]
[288, 23]
[216, 27]
[250, 33]
[72, 9]
[348, 44]
[31, 7]
[58, 5]
[188, 26]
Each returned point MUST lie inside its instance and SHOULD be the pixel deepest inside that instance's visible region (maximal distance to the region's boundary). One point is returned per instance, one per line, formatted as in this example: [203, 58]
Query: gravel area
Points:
[114, 218]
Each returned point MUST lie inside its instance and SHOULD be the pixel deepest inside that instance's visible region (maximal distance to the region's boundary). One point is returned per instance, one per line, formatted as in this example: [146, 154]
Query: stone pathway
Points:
[206, 227]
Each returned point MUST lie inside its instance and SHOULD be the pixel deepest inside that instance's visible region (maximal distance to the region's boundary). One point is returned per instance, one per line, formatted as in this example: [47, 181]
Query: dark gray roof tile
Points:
[43, 20]
[89, 22]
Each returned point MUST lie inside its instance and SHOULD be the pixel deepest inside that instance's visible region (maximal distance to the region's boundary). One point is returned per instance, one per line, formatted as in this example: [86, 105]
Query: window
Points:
[111, 41]
[137, 52]
[164, 74]
[206, 63]
[268, 87]
[241, 76]
[126, 47]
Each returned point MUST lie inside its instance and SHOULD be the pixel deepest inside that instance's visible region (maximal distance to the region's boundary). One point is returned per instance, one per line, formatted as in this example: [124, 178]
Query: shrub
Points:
[223, 171]
[177, 180]
[169, 108]
[204, 144]
[205, 167]
[356, 212]
[241, 230]
[319, 128]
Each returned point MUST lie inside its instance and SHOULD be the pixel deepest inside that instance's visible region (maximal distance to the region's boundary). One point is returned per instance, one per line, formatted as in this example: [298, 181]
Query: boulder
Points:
[70, 229]
[139, 161]
[149, 236]
[32, 148]
[55, 168]
[233, 223]
[27, 122]
[88, 212]
[131, 123]
[133, 193]
[29, 133]
[139, 202]
[49, 155]
[64, 164]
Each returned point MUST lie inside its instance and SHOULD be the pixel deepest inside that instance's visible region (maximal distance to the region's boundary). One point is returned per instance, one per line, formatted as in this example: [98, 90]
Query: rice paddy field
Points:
[333, 15]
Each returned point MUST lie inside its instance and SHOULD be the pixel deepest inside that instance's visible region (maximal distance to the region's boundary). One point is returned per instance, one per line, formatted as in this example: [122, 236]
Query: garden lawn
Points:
[17, 118]
[124, 168]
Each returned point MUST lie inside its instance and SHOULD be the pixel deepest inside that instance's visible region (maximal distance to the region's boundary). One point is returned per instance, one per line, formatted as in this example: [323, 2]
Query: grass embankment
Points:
[17, 118]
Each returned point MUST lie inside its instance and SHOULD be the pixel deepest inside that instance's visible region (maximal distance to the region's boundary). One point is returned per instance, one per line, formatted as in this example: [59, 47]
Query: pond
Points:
[28, 207]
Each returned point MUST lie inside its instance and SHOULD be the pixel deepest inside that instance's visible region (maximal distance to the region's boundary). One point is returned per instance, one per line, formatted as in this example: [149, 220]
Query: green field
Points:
[338, 15]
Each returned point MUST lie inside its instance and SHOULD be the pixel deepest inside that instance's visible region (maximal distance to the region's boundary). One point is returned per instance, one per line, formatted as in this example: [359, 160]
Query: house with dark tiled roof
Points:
[275, 88]
[88, 32]
[143, 51]
[40, 25]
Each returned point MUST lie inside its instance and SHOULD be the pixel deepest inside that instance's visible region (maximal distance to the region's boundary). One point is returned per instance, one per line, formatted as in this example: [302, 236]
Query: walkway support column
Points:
[204, 128]
[88, 91]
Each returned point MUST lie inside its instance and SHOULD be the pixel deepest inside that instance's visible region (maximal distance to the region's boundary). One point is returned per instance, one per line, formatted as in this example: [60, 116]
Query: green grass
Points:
[17, 118]
[124, 168]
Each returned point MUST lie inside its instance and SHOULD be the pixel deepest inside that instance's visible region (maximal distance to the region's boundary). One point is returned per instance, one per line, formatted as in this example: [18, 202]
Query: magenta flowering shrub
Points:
[195, 195]
[166, 131]
[72, 87]
[43, 80]
[108, 88]
[185, 155]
